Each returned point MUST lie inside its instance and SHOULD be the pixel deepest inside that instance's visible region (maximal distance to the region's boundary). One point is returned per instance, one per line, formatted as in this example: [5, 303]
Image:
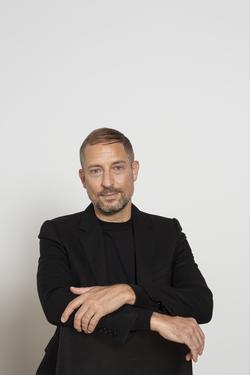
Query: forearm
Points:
[118, 323]
[187, 295]
[195, 301]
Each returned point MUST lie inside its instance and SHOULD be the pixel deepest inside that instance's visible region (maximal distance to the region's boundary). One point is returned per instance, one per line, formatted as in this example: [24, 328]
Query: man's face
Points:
[108, 176]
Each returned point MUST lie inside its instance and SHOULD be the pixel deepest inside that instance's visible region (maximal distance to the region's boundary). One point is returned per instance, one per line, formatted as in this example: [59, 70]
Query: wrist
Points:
[130, 295]
[155, 321]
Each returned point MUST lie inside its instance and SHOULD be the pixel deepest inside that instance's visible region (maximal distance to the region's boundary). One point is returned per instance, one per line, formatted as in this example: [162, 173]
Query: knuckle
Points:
[77, 315]
[98, 315]
[84, 328]
[193, 325]
[192, 320]
[195, 353]
[98, 307]
[194, 348]
[94, 323]
[189, 330]
[197, 347]
[92, 302]
[84, 321]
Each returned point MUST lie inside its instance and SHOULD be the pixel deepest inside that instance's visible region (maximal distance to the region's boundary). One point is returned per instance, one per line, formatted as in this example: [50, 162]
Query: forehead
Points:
[101, 153]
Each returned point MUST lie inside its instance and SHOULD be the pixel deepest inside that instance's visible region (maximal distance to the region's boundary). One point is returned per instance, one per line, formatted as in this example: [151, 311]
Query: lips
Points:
[107, 195]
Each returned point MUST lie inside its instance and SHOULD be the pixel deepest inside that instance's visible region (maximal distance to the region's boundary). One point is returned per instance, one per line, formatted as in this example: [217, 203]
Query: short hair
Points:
[106, 136]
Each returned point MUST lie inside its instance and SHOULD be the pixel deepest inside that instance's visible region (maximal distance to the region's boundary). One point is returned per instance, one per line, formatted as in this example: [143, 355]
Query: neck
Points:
[117, 217]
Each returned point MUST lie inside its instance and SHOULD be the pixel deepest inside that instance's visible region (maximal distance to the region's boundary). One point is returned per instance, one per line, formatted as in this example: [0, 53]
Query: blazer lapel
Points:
[143, 234]
[91, 239]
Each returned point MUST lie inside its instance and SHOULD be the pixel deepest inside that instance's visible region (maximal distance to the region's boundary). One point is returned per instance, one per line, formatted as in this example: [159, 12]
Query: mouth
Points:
[110, 195]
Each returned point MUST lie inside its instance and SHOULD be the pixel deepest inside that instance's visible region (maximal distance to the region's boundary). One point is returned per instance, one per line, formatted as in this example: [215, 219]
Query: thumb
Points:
[79, 290]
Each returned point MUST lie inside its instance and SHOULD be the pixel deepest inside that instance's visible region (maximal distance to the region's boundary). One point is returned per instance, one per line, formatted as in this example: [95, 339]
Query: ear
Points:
[82, 177]
[135, 169]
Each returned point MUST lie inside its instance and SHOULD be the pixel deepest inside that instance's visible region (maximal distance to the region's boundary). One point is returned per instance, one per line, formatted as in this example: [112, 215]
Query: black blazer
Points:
[71, 254]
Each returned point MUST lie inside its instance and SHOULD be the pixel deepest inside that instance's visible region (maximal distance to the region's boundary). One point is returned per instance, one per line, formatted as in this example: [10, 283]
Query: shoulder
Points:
[64, 222]
[73, 217]
[163, 221]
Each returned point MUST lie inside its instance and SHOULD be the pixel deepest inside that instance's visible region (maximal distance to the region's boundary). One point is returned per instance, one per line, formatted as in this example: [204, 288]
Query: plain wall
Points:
[171, 75]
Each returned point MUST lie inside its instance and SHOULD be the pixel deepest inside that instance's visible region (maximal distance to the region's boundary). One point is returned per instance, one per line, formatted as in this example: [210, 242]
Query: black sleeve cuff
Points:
[143, 299]
[142, 321]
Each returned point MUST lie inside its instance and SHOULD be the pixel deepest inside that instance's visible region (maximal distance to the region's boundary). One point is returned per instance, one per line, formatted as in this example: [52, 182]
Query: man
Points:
[120, 284]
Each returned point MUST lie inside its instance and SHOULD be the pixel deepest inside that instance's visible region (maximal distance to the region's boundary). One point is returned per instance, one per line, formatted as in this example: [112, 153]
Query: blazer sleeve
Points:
[188, 295]
[54, 279]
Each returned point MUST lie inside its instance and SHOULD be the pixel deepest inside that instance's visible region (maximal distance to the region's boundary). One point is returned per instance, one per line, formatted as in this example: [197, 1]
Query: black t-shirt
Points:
[119, 251]
[119, 247]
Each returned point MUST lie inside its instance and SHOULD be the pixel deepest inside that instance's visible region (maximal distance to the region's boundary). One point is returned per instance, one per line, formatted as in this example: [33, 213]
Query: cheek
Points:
[128, 185]
[93, 188]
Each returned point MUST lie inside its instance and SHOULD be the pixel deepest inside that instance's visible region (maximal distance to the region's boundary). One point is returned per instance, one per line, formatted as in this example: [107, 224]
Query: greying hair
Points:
[106, 136]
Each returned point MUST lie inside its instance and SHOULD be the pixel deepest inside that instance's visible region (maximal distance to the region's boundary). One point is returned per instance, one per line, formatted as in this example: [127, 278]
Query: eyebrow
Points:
[115, 162]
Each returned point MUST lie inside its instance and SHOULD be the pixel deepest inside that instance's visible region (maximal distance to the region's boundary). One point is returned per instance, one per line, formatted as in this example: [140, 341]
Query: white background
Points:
[171, 75]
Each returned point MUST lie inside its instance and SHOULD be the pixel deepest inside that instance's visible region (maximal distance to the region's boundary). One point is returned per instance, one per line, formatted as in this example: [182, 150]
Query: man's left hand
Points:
[94, 302]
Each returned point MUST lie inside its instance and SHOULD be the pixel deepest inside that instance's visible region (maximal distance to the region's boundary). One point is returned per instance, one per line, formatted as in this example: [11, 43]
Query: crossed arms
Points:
[175, 312]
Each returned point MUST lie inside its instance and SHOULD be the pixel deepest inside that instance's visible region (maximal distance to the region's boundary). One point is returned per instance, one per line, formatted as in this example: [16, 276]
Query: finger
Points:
[79, 290]
[74, 304]
[93, 322]
[86, 318]
[202, 335]
[193, 349]
[78, 318]
[200, 339]
[196, 338]
[188, 356]
[191, 356]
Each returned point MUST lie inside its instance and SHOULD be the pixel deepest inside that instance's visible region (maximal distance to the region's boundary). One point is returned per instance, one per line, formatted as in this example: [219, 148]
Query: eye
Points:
[95, 171]
[118, 167]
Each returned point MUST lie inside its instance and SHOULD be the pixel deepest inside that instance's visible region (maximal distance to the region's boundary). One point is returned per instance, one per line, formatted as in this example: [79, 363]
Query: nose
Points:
[107, 179]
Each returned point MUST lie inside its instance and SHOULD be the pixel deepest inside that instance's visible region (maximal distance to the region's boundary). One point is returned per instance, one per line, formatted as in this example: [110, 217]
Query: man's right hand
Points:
[180, 329]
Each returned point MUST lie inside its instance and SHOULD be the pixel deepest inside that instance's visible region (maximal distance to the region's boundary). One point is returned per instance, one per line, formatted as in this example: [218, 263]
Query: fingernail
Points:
[63, 319]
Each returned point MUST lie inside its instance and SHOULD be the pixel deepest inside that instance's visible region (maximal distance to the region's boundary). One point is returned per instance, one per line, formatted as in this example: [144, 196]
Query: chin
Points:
[111, 208]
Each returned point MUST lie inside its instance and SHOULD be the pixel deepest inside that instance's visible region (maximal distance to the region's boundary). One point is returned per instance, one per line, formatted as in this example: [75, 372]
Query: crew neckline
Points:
[115, 225]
